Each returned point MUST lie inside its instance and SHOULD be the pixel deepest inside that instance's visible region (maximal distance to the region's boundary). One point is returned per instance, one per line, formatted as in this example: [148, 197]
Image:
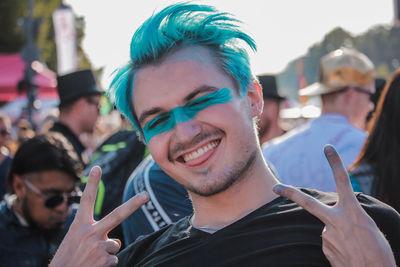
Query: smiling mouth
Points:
[199, 152]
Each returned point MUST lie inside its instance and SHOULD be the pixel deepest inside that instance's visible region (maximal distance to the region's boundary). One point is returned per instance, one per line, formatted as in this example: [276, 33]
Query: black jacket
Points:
[71, 137]
[23, 245]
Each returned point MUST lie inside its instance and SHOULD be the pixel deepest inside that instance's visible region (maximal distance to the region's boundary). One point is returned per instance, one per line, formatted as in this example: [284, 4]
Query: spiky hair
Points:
[174, 27]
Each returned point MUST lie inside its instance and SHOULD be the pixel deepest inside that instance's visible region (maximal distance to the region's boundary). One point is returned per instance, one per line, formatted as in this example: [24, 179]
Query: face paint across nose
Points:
[168, 120]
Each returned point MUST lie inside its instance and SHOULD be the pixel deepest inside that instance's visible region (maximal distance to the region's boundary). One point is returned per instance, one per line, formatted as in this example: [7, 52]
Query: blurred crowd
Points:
[43, 169]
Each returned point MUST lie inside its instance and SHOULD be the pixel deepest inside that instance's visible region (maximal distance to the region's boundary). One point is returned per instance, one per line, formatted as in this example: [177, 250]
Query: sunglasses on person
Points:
[361, 90]
[364, 91]
[358, 89]
[53, 200]
[93, 102]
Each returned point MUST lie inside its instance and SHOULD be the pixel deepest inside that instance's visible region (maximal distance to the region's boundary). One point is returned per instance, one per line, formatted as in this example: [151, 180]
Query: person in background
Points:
[379, 85]
[345, 86]
[79, 108]
[5, 155]
[25, 131]
[35, 215]
[268, 123]
[376, 170]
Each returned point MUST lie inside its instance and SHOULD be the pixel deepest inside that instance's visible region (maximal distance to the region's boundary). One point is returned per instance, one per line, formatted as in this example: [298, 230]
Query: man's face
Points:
[212, 150]
[33, 204]
[91, 112]
[363, 103]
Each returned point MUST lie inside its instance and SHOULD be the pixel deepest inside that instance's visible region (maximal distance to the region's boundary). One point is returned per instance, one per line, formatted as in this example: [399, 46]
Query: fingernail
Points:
[329, 149]
[143, 196]
[95, 171]
[277, 189]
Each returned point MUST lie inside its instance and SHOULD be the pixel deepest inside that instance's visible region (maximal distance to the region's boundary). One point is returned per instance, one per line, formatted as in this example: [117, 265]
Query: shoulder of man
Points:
[58, 127]
[386, 218]
[144, 245]
[376, 208]
[370, 204]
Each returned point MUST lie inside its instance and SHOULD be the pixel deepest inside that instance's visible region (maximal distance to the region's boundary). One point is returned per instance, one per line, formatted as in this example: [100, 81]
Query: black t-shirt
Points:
[280, 233]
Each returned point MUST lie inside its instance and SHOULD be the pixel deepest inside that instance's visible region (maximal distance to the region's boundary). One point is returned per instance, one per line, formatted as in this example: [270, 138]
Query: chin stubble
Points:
[231, 177]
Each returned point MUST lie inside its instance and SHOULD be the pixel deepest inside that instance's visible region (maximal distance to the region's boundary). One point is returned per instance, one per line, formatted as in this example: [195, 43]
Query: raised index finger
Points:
[88, 199]
[121, 213]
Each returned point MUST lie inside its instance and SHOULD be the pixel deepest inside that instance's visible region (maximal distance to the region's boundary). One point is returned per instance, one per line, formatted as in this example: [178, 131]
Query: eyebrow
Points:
[149, 112]
[201, 89]
[190, 96]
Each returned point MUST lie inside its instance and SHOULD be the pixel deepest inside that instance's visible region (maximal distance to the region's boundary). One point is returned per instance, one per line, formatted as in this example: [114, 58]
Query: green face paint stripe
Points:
[167, 121]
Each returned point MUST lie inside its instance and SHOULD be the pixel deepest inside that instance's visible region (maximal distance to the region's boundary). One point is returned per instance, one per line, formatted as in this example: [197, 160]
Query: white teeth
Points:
[197, 153]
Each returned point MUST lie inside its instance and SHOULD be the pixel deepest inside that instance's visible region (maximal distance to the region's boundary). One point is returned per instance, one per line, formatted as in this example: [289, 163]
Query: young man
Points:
[33, 219]
[191, 95]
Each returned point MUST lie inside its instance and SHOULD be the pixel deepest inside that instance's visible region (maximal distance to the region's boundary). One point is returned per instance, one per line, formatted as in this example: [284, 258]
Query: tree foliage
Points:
[12, 38]
[381, 44]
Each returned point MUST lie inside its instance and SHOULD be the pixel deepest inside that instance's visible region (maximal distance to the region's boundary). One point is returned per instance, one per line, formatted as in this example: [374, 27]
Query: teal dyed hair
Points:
[177, 26]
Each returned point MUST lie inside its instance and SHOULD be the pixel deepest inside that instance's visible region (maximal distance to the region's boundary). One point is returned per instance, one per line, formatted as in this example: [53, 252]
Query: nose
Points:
[185, 131]
[186, 126]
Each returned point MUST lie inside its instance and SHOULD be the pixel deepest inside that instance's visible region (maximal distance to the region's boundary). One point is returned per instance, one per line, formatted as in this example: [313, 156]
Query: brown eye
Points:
[158, 120]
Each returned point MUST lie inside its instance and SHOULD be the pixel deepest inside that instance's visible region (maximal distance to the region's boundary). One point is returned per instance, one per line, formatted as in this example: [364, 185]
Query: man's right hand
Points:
[87, 243]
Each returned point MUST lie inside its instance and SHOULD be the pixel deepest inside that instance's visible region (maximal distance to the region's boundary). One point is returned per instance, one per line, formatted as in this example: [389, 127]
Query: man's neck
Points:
[71, 123]
[273, 131]
[354, 119]
[246, 195]
[17, 209]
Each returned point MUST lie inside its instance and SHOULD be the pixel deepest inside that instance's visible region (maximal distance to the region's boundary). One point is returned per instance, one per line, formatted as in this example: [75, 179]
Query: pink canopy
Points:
[12, 68]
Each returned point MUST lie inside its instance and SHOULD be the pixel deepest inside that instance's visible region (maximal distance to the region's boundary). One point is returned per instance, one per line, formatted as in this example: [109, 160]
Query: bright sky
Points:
[282, 29]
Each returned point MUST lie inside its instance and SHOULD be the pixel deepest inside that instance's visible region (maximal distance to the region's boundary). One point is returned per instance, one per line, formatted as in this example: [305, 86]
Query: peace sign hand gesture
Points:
[86, 243]
[350, 237]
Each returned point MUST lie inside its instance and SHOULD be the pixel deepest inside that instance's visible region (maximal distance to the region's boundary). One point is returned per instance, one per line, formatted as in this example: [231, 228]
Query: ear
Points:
[19, 186]
[255, 99]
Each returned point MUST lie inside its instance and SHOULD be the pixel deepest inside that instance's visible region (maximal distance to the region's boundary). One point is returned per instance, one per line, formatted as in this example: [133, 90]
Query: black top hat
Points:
[75, 85]
[269, 88]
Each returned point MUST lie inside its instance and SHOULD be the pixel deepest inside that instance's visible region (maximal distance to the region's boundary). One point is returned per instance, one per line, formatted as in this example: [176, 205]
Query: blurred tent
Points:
[12, 68]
